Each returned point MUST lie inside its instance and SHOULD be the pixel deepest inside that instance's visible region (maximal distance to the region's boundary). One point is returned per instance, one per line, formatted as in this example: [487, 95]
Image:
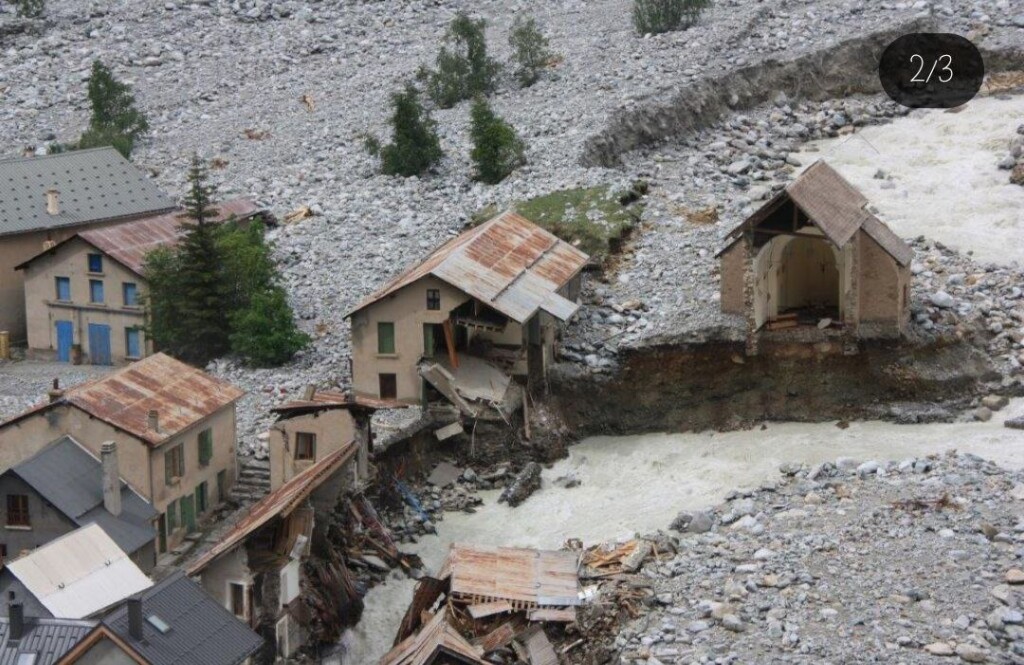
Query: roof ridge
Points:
[69, 153]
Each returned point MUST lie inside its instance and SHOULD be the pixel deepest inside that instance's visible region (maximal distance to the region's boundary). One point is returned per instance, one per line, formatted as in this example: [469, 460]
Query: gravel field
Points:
[206, 71]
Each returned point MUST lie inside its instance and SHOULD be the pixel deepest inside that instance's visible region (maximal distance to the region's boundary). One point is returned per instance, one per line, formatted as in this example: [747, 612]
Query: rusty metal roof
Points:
[509, 263]
[834, 206]
[281, 502]
[525, 577]
[335, 399]
[181, 395]
[130, 242]
[437, 637]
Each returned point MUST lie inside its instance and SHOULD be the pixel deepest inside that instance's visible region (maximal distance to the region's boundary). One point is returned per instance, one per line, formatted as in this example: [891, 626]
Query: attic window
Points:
[159, 624]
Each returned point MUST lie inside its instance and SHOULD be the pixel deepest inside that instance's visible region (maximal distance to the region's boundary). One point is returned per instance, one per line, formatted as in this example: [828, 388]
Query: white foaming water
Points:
[944, 165]
[638, 484]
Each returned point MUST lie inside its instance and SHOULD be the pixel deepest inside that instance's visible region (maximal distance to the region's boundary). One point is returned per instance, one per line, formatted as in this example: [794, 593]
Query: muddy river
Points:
[638, 483]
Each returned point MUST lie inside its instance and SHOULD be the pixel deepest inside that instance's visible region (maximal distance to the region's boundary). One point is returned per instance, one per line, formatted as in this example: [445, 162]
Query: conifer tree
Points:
[529, 50]
[414, 147]
[463, 68]
[497, 149]
[115, 121]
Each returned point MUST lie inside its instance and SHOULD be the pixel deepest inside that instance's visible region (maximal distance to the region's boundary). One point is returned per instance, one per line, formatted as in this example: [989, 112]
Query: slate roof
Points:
[79, 574]
[201, 631]
[94, 185]
[509, 263]
[181, 395]
[128, 243]
[68, 477]
[834, 206]
[49, 639]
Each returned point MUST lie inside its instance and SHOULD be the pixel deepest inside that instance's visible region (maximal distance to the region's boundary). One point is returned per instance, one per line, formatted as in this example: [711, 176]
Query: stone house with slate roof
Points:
[44, 200]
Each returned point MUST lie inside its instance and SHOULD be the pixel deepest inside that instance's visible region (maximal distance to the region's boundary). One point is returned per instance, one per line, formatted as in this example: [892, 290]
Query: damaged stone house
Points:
[84, 295]
[173, 426]
[480, 314]
[255, 570]
[814, 264]
[45, 200]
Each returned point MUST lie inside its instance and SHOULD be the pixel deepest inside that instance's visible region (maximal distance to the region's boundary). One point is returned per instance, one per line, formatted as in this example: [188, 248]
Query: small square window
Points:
[434, 299]
[388, 386]
[305, 446]
[96, 291]
[95, 263]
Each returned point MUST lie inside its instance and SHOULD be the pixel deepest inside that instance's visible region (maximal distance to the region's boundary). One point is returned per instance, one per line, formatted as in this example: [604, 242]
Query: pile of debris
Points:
[1014, 160]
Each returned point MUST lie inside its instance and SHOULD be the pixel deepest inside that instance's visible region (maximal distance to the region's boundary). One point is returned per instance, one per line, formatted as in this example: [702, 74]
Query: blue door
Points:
[99, 344]
[65, 338]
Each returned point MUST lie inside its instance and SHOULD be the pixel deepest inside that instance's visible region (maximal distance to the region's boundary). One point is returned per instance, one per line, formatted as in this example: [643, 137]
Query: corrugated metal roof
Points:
[201, 631]
[93, 185]
[333, 399]
[834, 206]
[181, 395]
[129, 243]
[68, 477]
[509, 263]
[438, 636]
[280, 502]
[526, 577]
[79, 573]
[49, 639]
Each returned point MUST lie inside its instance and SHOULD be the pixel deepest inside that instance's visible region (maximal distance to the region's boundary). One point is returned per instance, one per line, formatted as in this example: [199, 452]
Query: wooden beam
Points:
[449, 340]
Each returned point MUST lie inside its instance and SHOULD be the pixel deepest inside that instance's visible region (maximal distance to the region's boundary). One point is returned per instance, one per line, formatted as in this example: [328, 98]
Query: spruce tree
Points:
[497, 149]
[115, 121]
[529, 50]
[414, 147]
[463, 68]
[202, 283]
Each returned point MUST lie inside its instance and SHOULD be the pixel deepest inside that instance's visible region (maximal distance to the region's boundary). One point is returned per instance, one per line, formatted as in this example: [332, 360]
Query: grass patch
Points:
[596, 219]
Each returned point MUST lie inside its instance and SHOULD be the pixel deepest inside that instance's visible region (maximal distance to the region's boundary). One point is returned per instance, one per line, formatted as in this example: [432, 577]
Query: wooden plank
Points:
[449, 341]
[481, 610]
[539, 649]
[551, 614]
[497, 638]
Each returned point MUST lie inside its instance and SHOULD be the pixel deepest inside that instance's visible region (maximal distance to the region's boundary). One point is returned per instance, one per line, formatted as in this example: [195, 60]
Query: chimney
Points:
[16, 617]
[111, 478]
[154, 420]
[55, 392]
[52, 202]
[309, 393]
[135, 618]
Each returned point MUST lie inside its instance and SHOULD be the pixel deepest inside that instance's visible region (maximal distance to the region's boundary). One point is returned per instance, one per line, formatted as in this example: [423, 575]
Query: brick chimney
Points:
[154, 420]
[135, 618]
[52, 202]
[111, 478]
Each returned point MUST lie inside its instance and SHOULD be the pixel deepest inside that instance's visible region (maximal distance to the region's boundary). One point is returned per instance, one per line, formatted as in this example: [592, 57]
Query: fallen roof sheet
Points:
[281, 501]
[202, 631]
[70, 479]
[437, 637]
[93, 185]
[527, 578]
[128, 243]
[79, 574]
[181, 395]
[509, 263]
[834, 206]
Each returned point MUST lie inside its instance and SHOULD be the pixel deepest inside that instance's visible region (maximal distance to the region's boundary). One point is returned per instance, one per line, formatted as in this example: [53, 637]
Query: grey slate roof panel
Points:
[71, 479]
[48, 638]
[94, 185]
[202, 632]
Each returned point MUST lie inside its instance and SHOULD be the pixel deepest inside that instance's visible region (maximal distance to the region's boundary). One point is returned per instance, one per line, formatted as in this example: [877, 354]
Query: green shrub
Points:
[264, 333]
[463, 68]
[414, 146]
[115, 121]
[497, 149]
[29, 8]
[656, 16]
[529, 50]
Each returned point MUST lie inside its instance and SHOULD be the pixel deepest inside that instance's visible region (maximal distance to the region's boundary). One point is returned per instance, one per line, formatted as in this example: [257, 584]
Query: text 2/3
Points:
[945, 72]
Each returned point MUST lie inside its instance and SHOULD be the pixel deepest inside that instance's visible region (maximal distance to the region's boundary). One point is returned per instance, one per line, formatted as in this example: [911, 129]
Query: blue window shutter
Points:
[133, 347]
[63, 288]
[131, 294]
[95, 263]
[96, 290]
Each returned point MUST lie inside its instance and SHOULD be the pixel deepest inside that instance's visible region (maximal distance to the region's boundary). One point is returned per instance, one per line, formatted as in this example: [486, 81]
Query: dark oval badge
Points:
[936, 70]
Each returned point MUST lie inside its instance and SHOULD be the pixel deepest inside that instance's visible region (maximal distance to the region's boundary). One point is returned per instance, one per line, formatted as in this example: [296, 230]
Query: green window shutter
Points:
[172, 516]
[181, 461]
[168, 467]
[205, 446]
[385, 337]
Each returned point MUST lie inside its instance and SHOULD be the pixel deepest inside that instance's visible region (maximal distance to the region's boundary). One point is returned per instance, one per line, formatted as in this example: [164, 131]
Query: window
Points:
[388, 386]
[385, 338]
[133, 342]
[3, 552]
[63, 288]
[172, 516]
[17, 510]
[305, 445]
[96, 290]
[434, 299]
[95, 263]
[205, 446]
[130, 291]
[174, 464]
[237, 599]
[202, 501]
